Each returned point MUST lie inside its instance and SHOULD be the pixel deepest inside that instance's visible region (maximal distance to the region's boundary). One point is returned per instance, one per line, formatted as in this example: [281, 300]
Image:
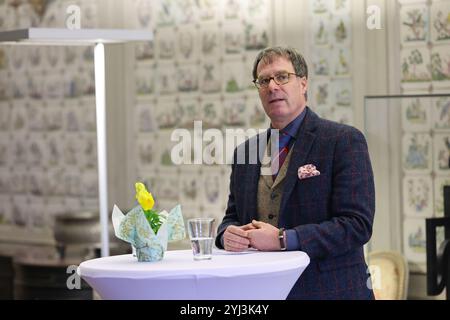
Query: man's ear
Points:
[304, 83]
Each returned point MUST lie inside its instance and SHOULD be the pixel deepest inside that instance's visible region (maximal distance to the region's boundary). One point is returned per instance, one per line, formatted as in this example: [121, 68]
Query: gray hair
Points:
[269, 54]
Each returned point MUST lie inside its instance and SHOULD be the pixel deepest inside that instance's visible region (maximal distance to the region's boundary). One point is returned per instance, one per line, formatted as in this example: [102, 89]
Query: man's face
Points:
[282, 103]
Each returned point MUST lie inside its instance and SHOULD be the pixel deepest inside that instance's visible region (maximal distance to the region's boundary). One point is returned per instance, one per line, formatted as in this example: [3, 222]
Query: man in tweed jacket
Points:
[323, 197]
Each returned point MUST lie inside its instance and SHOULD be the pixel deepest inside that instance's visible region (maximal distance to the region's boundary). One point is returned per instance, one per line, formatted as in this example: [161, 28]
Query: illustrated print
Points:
[414, 243]
[257, 9]
[442, 153]
[439, 183]
[147, 153]
[166, 13]
[256, 36]
[416, 114]
[417, 152]
[211, 112]
[413, 23]
[341, 61]
[211, 77]
[210, 39]
[342, 92]
[145, 117]
[145, 81]
[414, 65]
[320, 31]
[440, 22]
[441, 111]
[233, 39]
[235, 112]
[440, 64]
[418, 196]
[321, 63]
[188, 78]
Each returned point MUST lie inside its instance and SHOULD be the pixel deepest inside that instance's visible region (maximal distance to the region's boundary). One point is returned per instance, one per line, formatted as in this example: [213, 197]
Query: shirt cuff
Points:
[292, 241]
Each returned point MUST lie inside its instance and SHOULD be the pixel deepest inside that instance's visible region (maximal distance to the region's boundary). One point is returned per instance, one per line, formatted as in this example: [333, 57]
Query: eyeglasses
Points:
[280, 79]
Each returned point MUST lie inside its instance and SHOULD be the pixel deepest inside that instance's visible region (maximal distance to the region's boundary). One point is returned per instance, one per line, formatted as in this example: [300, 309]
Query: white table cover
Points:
[249, 275]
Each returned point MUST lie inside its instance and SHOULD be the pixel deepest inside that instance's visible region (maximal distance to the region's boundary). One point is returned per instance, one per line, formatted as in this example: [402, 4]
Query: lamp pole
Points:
[100, 107]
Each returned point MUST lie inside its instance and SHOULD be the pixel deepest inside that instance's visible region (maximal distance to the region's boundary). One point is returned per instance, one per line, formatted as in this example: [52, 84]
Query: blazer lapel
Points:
[304, 142]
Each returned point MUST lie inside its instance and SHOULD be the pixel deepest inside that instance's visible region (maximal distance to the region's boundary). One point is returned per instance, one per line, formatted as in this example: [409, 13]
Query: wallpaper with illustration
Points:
[330, 40]
[48, 151]
[198, 68]
[425, 68]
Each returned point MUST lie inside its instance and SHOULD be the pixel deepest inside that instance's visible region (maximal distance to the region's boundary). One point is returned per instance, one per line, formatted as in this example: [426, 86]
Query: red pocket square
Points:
[307, 171]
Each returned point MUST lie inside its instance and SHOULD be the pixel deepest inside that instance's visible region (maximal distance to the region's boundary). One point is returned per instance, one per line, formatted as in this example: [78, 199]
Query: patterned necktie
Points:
[284, 139]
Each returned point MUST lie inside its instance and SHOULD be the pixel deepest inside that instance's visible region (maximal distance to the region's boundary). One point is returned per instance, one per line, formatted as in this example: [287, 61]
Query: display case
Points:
[409, 144]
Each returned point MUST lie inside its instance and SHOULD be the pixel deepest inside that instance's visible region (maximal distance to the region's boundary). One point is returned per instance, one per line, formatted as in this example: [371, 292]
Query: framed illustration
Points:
[167, 76]
[341, 61]
[190, 111]
[320, 34]
[165, 13]
[341, 30]
[341, 92]
[235, 112]
[441, 113]
[167, 114]
[188, 44]
[440, 66]
[414, 70]
[143, 14]
[233, 38]
[208, 11]
[186, 12]
[211, 76]
[439, 182]
[190, 187]
[88, 151]
[440, 24]
[414, 24]
[54, 118]
[343, 115]
[188, 80]
[342, 6]
[145, 80]
[4, 154]
[320, 93]
[5, 116]
[165, 41]
[414, 246]
[321, 62]
[212, 188]
[169, 184]
[417, 152]
[233, 10]
[318, 7]
[147, 152]
[232, 73]
[256, 35]
[145, 116]
[257, 10]
[54, 147]
[19, 150]
[418, 196]
[441, 153]
[211, 112]
[211, 42]
[72, 147]
[416, 114]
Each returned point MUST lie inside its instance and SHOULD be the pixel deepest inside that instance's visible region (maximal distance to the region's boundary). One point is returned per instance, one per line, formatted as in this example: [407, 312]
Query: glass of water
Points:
[201, 234]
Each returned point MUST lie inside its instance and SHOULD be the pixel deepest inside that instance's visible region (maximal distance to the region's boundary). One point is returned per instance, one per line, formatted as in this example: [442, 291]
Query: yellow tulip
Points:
[144, 197]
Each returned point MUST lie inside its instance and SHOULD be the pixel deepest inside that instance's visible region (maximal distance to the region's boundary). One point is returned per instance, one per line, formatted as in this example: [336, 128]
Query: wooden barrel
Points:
[6, 278]
[47, 280]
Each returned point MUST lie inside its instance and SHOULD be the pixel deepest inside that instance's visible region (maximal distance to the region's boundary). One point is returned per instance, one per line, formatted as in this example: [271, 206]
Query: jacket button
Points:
[273, 195]
[271, 216]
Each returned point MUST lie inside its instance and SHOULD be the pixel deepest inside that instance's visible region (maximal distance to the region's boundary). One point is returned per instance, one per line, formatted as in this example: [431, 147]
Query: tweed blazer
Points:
[332, 213]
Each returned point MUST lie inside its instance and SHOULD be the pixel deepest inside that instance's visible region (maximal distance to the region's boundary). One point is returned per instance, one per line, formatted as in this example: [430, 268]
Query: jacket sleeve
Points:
[231, 217]
[352, 202]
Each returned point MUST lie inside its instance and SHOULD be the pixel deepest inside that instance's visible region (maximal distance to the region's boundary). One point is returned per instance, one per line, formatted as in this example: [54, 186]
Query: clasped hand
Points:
[259, 235]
